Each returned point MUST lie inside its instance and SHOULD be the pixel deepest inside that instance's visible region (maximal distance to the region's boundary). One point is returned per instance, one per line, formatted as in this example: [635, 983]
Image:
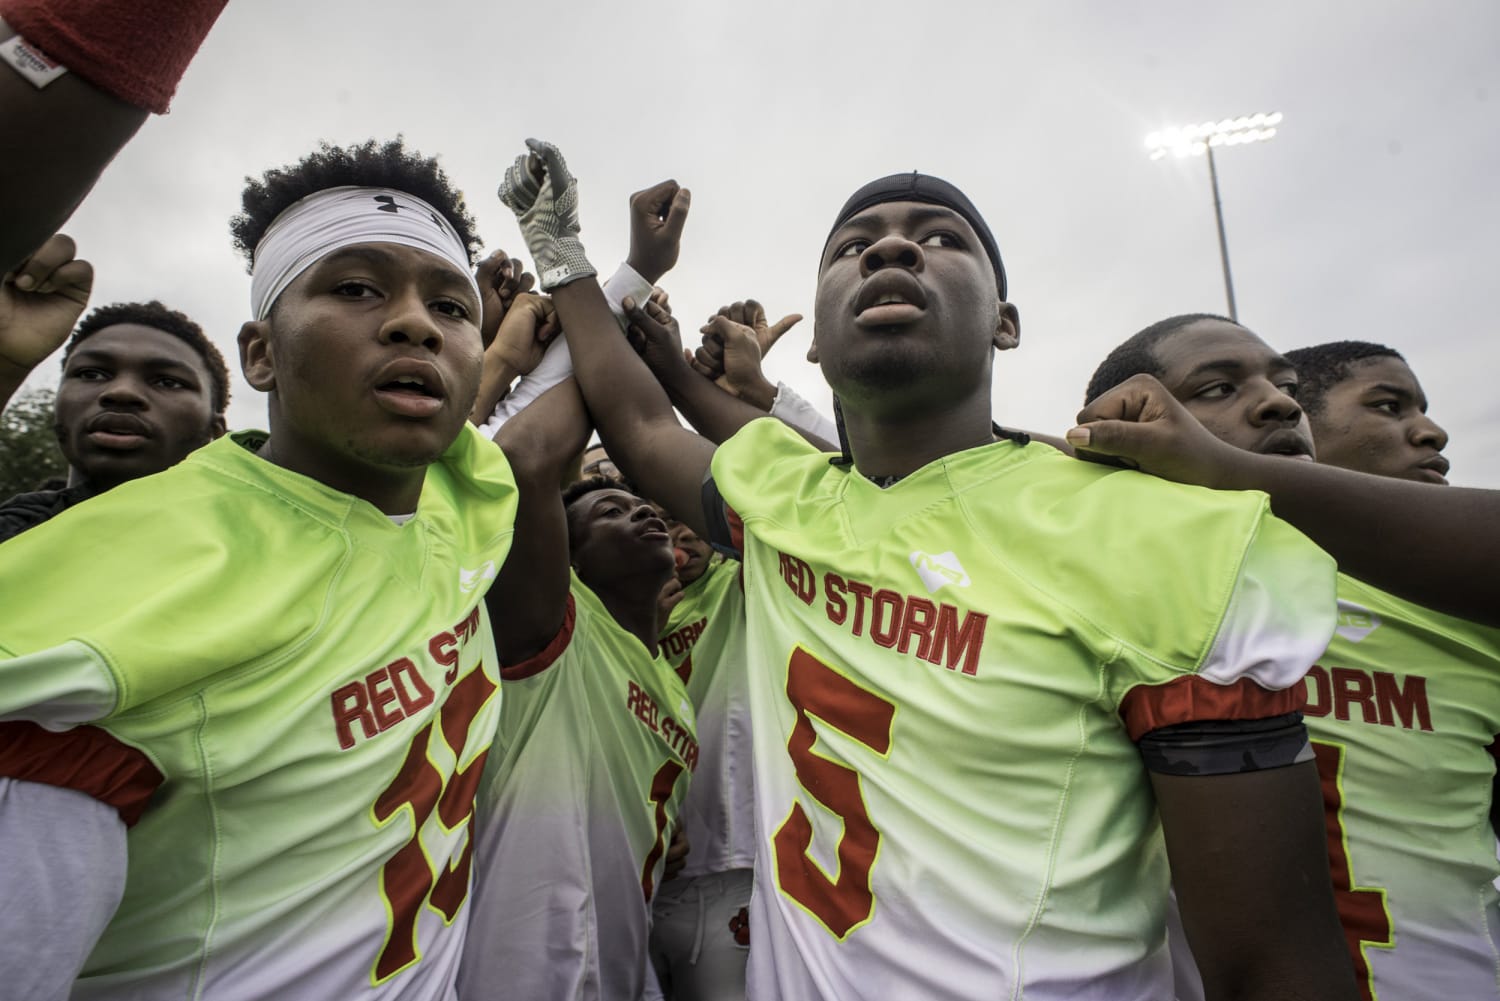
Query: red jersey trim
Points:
[736, 529]
[539, 662]
[86, 759]
[1191, 699]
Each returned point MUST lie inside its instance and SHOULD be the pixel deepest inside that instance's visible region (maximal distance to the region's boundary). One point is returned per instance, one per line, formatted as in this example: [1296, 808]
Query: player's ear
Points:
[257, 360]
[217, 426]
[1008, 328]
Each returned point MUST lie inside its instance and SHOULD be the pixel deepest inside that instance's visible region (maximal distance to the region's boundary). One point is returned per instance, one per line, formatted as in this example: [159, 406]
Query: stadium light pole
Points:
[1200, 140]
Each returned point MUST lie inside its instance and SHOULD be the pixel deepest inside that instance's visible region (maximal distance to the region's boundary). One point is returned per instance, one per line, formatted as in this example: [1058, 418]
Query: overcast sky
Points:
[1371, 215]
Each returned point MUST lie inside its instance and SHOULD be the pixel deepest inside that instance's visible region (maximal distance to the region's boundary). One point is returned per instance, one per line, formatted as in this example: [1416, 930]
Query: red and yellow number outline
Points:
[1349, 896]
[799, 877]
[462, 707]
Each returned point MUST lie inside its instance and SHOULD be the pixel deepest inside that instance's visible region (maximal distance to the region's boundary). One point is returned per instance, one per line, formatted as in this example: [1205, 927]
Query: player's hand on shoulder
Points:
[40, 301]
[657, 216]
[501, 278]
[1139, 424]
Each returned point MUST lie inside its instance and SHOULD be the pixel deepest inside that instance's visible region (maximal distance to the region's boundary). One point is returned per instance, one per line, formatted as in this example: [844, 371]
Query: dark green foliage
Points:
[28, 444]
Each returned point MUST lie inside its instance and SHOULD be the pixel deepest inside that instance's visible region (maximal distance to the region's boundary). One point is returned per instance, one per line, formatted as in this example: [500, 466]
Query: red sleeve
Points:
[539, 662]
[86, 759]
[132, 49]
[1192, 699]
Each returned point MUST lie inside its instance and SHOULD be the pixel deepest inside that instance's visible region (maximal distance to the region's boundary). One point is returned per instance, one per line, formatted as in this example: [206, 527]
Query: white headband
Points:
[330, 220]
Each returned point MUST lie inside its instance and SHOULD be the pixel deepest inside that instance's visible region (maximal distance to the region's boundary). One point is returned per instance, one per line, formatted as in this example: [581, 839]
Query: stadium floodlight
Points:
[1200, 140]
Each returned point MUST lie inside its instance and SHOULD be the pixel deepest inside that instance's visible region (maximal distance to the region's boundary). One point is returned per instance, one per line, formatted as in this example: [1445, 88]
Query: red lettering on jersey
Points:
[352, 703]
[638, 701]
[1383, 698]
[918, 621]
[424, 696]
[885, 618]
[861, 593]
[1317, 693]
[685, 669]
[469, 627]
[1404, 698]
[955, 642]
[680, 641]
[799, 577]
[444, 649]
[1352, 687]
[382, 697]
[835, 607]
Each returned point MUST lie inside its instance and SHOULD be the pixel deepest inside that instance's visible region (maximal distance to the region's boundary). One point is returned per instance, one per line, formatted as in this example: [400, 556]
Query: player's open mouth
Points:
[410, 389]
[889, 298]
[117, 430]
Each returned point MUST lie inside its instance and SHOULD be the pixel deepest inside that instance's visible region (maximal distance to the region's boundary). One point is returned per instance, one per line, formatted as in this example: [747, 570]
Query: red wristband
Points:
[133, 49]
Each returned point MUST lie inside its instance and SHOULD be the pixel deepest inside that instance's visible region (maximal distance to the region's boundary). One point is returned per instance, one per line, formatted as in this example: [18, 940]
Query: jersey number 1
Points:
[815, 689]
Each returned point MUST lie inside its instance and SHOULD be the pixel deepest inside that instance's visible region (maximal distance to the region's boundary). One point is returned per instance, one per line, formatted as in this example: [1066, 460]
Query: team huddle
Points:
[417, 694]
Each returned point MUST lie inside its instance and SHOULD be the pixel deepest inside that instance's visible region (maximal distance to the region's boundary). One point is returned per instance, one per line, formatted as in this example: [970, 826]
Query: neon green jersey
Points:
[946, 677]
[575, 814]
[704, 640]
[1403, 709]
[315, 688]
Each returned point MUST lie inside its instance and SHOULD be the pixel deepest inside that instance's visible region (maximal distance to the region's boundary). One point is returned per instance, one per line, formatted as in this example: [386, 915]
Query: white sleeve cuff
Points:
[793, 411]
[625, 283]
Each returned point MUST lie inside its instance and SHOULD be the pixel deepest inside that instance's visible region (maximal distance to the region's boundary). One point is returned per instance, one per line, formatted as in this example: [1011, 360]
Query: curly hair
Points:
[1323, 366]
[369, 164]
[1137, 355]
[155, 315]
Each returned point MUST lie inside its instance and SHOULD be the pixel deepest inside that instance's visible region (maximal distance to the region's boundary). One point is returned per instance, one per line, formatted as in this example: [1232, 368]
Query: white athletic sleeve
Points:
[62, 873]
[793, 411]
[557, 363]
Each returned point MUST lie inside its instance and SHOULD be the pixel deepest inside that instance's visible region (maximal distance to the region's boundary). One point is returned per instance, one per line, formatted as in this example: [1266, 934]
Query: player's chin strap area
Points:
[844, 458]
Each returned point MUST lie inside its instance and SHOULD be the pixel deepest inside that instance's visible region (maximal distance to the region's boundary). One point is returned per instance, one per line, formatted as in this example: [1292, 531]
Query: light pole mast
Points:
[1213, 179]
[1200, 140]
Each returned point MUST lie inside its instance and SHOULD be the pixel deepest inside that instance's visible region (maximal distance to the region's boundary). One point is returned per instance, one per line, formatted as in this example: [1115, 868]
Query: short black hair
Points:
[155, 315]
[370, 164]
[1323, 366]
[589, 484]
[1137, 355]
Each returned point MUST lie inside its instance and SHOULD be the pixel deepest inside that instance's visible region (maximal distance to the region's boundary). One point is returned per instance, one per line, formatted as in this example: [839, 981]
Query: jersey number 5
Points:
[815, 689]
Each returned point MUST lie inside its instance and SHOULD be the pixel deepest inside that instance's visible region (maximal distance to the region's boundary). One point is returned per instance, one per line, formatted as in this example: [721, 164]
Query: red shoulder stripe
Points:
[1191, 699]
[539, 662]
[86, 759]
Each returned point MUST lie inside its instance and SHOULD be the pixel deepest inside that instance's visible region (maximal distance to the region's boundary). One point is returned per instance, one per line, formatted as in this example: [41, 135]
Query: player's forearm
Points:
[529, 598]
[65, 135]
[11, 378]
[713, 413]
[123, 59]
[494, 382]
[1437, 546]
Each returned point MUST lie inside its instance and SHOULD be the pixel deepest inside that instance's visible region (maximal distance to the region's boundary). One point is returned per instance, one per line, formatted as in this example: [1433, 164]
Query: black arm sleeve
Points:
[722, 522]
[1225, 747]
